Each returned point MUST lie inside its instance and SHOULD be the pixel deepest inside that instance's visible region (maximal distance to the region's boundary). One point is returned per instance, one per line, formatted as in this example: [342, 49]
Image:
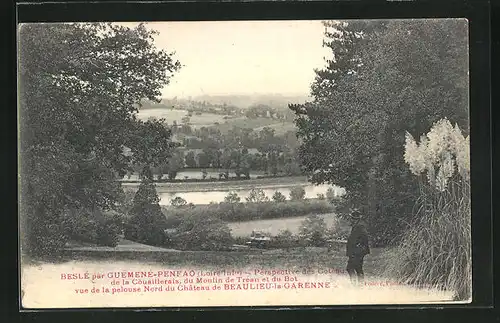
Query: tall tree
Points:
[80, 87]
[203, 160]
[147, 222]
[345, 40]
[190, 159]
[174, 164]
[398, 75]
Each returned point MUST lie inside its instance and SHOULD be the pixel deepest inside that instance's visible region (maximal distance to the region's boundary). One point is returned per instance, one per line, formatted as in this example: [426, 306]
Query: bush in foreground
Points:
[93, 226]
[110, 228]
[437, 248]
[313, 231]
[202, 233]
[285, 240]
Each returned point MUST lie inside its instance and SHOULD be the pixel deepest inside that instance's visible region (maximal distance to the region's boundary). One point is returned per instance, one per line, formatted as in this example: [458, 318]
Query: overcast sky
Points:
[242, 57]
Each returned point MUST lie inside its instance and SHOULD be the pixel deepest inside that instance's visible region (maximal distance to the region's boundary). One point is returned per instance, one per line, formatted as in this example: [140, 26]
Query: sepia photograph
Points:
[244, 163]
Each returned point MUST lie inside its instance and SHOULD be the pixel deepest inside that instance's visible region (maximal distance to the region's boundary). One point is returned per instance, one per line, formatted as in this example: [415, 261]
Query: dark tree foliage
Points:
[279, 197]
[313, 231]
[147, 222]
[206, 232]
[385, 78]
[80, 85]
[297, 193]
[190, 159]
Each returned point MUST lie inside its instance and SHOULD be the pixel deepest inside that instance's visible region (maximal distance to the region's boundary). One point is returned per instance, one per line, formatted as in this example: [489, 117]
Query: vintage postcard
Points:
[244, 163]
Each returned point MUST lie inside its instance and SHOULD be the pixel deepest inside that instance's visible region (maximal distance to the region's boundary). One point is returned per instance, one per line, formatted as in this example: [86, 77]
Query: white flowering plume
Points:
[441, 152]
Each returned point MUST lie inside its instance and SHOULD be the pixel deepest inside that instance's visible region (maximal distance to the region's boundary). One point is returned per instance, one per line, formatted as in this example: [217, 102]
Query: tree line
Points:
[236, 137]
[239, 162]
[383, 79]
[232, 152]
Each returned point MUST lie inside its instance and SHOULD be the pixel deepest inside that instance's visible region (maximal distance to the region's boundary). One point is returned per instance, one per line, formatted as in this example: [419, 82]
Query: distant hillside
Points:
[244, 101]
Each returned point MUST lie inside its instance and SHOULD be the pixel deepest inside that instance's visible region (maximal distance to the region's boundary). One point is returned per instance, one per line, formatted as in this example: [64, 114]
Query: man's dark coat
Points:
[357, 243]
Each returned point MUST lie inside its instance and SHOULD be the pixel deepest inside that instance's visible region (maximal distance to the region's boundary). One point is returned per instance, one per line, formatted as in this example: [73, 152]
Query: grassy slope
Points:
[295, 258]
[205, 119]
[375, 263]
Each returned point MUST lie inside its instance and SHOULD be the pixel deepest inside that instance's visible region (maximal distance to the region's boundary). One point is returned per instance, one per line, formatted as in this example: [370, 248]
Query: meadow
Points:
[300, 257]
[210, 119]
[171, 115]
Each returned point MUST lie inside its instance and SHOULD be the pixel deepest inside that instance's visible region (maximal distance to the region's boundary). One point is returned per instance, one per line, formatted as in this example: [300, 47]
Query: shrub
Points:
[172, 220]
[146, 225]
[279, 197]
[43, 233]
[94, 226]
[321, 196]
[331, 194]
[338, 231]
[436, 249]
[109, 230]
[284, 239]
[43, 238]
[178, 202]
[313, 231]
[257, 195]
[80, 225]
[203, 233]
[240, 240]
[297, 193]
[232, 197]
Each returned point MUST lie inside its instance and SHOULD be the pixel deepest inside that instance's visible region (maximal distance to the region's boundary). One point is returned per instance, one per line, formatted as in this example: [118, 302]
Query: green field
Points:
[210, 119]
[171, 115]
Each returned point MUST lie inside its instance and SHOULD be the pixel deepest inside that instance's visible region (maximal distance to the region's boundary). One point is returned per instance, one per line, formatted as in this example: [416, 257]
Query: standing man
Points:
[357, 247]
